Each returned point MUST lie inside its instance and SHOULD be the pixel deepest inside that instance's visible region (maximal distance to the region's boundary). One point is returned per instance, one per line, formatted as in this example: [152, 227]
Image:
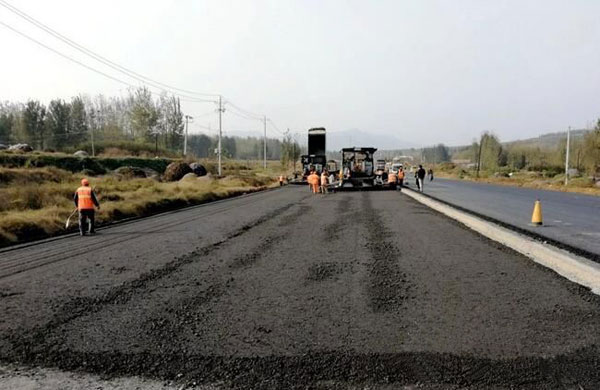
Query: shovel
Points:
[69, 219]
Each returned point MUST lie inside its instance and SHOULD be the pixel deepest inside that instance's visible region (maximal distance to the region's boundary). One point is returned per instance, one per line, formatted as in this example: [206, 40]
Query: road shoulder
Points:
[571, 266]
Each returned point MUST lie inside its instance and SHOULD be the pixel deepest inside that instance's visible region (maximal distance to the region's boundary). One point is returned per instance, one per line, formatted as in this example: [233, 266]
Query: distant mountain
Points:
[549, 140]
[336, 140]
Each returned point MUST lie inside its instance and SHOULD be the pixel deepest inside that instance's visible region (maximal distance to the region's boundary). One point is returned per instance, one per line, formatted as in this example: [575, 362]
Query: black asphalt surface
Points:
[285, 289]
[569, 217]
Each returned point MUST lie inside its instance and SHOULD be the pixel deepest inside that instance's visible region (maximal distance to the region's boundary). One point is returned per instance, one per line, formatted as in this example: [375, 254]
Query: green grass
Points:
[35, 202]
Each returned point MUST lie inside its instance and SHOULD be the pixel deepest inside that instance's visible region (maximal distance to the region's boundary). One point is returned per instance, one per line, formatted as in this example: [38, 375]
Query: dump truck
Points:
[316, 158]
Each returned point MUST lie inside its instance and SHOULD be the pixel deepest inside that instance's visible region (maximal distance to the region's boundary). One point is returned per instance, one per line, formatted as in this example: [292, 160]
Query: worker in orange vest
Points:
[280, 180]
[400, 178]
[313, 181]
[85, 200]
[309, 180]
[324, 182]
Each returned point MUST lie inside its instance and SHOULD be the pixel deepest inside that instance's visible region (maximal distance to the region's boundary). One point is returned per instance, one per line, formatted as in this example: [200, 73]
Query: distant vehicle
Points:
[358, 171]
[332, 168]
[381, 174]
[380, 165]
[396, 167]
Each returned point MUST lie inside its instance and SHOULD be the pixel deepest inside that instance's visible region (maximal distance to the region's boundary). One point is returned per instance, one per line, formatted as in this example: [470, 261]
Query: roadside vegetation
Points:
[547, 180]
[36, 201]
[534, 163]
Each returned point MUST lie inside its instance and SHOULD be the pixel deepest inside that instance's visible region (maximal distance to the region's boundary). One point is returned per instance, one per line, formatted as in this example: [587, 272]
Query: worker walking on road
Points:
[420, 175]
[281, 180]
[324, 182]
[85, 200]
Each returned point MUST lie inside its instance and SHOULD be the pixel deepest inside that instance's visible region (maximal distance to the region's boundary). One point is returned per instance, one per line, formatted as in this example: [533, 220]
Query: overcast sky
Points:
[424, 71]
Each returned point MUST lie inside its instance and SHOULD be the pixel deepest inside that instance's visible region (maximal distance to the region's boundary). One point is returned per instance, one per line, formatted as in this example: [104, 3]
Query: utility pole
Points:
[93, 149]
[187, 117]
[294, 155]
[221, 110]
[287, 134]
[94, 125]
[567, 158]
[479, 158]
[265, 143]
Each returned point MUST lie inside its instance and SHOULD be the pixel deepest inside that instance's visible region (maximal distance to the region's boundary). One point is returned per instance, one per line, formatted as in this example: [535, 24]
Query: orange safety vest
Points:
[400, 175]
[84, 198]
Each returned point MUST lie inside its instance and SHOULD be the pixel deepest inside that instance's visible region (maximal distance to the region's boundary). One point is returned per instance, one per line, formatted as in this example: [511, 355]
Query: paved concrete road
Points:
[568, 217]
[289, 290]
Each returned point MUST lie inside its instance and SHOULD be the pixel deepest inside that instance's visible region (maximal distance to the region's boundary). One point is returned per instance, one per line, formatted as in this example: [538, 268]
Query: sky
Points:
[421, 71]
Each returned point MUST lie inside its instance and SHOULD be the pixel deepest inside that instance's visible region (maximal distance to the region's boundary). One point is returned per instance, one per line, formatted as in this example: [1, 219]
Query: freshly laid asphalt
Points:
[285, 289]
[568, 217]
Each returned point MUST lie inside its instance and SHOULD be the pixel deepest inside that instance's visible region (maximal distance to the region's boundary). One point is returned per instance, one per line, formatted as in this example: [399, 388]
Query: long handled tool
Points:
[69, 219]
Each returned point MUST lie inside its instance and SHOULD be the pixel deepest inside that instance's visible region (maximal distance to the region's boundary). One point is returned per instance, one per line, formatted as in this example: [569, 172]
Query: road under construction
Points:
[380, 292]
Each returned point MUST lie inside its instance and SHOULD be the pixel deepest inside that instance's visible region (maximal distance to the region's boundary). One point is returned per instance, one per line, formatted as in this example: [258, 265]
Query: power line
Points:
[275, 127]
[244, 116]
[246, 112]
[99, 57]
[83, 64]
[205, 114]
[128, 72]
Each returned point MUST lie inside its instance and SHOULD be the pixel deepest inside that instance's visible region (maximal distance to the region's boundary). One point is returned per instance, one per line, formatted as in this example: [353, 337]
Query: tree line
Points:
[490, 154]
[138, 118]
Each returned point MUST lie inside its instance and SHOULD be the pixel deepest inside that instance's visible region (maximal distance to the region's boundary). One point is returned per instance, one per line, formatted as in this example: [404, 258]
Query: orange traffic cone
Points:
[536, 217]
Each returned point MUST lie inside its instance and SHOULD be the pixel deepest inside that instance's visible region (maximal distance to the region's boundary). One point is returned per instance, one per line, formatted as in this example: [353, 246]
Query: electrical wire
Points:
[100, 58]
[203, 115]
[244, 116]
[246, 112]
[85, 65]
[128, 72]
[275, 127]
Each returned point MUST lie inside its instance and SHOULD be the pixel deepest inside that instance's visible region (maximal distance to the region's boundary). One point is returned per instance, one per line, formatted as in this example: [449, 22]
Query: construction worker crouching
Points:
[85, 200]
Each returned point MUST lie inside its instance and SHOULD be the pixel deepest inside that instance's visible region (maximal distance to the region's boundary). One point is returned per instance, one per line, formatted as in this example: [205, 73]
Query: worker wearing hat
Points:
[85, 200]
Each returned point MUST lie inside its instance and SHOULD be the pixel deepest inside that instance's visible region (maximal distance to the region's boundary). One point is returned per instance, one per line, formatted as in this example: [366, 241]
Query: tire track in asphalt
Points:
[188, 313]
[25, 347]
[326, 270]
[25, 262]
[388, 286]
